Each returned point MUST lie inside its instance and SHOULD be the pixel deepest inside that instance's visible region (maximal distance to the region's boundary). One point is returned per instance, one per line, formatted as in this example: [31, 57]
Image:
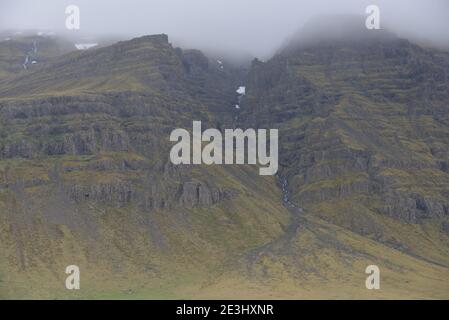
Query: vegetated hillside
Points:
[27, 51]
[85, 179]
[364, 129]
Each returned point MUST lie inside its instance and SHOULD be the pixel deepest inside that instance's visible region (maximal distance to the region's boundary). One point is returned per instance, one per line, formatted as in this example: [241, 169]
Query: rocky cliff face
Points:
[365, 120]
[172, 87]
[85, 174]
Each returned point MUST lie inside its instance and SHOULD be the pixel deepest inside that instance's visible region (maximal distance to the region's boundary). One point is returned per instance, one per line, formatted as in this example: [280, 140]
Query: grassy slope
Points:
[207, 257]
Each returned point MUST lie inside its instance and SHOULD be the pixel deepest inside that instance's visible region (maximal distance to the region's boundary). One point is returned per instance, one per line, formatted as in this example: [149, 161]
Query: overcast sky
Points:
[254, 26]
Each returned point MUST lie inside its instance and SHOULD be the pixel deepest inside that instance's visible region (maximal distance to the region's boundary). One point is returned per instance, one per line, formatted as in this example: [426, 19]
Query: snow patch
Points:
[85, 46]
[241, 90]
[46, 34]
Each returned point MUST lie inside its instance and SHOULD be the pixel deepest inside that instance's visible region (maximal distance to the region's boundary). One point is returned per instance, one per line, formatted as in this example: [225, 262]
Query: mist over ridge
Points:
[243, 28]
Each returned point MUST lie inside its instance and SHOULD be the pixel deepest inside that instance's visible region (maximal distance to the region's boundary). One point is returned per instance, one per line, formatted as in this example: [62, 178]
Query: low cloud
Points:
[256, 27]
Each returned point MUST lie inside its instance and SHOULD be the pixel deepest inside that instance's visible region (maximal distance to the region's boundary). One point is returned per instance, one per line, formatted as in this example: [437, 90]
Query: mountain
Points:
[364, 128]
[85, 175]
[20, 51]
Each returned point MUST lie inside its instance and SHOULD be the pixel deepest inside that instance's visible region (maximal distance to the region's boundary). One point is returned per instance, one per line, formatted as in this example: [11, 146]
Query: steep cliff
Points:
[85, 176]
[364, 127]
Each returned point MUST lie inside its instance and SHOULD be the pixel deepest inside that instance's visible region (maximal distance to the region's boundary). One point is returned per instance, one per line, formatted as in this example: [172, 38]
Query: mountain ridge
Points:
[85, 175]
